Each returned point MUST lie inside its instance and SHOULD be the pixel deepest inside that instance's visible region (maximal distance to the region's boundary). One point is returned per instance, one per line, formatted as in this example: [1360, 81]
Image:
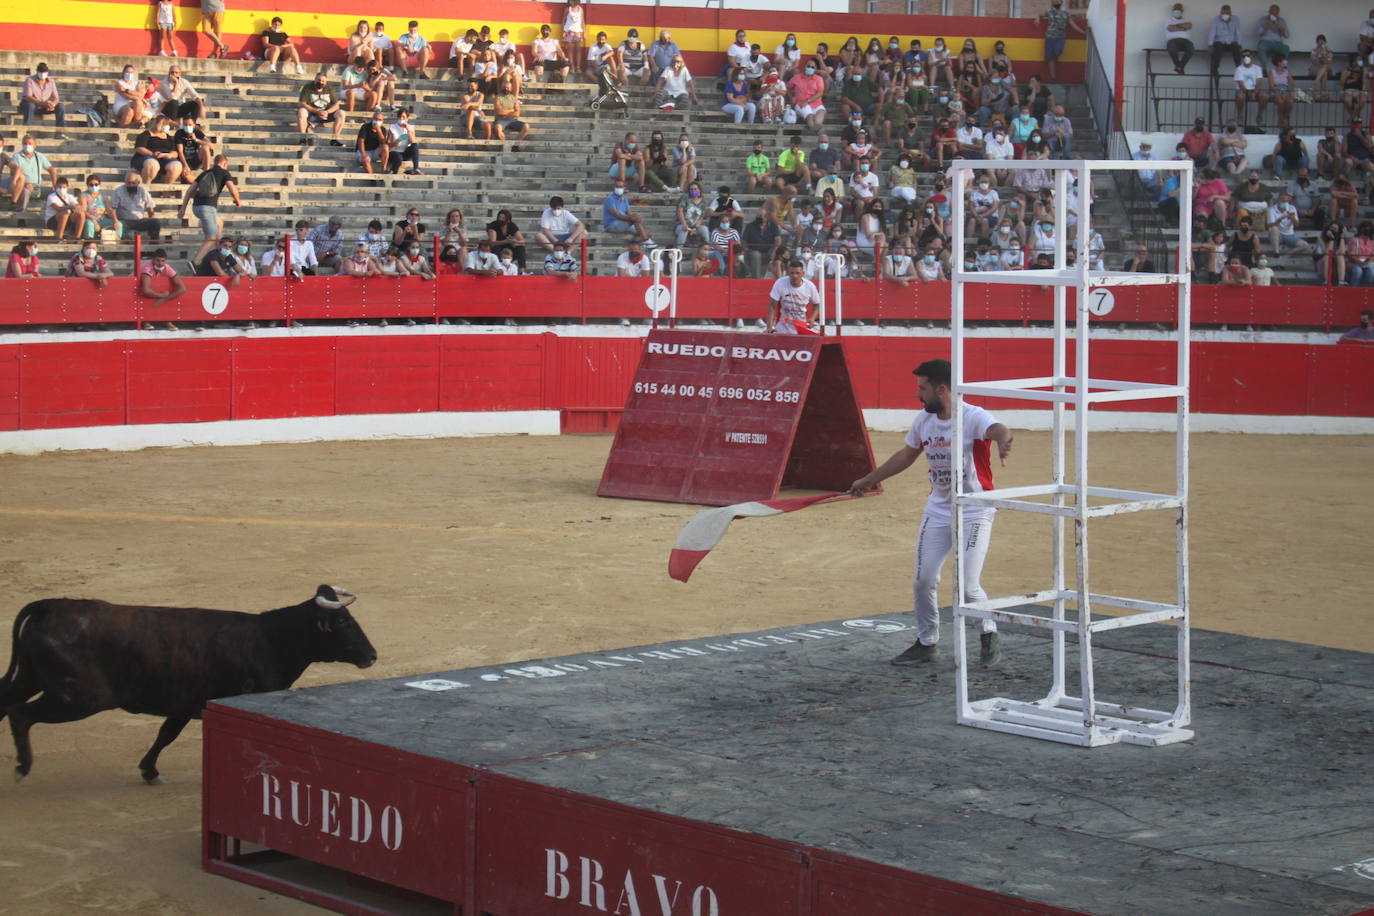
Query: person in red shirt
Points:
[944, 139]
[1202, 146]
[23, 260]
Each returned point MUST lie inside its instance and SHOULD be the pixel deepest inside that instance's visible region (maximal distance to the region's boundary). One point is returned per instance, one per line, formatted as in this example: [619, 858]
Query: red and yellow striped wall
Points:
[126, 27]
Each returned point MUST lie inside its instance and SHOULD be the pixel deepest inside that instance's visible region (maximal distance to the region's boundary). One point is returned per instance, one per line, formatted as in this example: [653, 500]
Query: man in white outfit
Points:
[793, 298]
[931, 433]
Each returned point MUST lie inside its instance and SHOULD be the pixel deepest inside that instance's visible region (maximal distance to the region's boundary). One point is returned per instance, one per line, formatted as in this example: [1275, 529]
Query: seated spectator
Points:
[1140, 262]
[895, 112]
[833, 183]
[381, 83]
[1365, 331]
[276, 44]
[1345, 200]
[725, 239]
[509, 267]
[219, 262]
[602, 59]
[451, 260]
[505, 236]
[318, 106]
[405, 145]
[471, 101]
[179, 98]
[910, 143]
[89, 264]
[547, 55]
[1249, 78]
[156, 153]
[998, 146]
[685, 161]
[1358, 151]
[1231, 147]
[558, 225]
[134, 207]
[1148, 179]
[616, 215]
[1330, 161]
[98, 213]
[659, 173]
[1279, 82]
[413, 52]
[374, 143]
[634, 60]
[633, 262]
[675, 87]
[416, 264]
[511, 69]
[859, 149]
[1283, 227]
[377, 243]
[1245, 244]
[129, 94]
[772, 104]
[1359, 256]
[391, 263]
[870, 234]
[969, 142]
[243, 257]
[559, 263]
[303, 259]
[202, 197]
[1354, 88]
[985, 208]
[627, 160]
[354, 88]
[1236, 273]
[787, 56]
[194, 149]
[1271, 34]
[360, 263]
[1057, 131]
[23, 260]
[691, 217]
[703, 265]
[274, 260]
[486, 73]
[758, 167]
[1263, 274]
[1209, 258]
[859, 94]
[327, 239]
[155, 269]
[1290, 153]
[407, 230]
[899, 267]
[460, 52]
[761, 239]
[822, 158]
[863, 185]
[39, 96]
[1304, 195]
[506, 107]
[481, 261]
[738, 102]
[929, 269]
[1212, 198]
[1201, 144]
[63, 209]
[362, 44]
[808, 95]
[1252, 199]
[1319, 63]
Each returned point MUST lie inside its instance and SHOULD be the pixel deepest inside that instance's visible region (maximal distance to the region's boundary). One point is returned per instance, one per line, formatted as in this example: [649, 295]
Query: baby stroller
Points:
[611, 95]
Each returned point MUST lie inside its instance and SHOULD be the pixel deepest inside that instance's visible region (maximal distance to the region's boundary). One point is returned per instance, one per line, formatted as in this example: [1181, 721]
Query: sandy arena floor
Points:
[473, 552]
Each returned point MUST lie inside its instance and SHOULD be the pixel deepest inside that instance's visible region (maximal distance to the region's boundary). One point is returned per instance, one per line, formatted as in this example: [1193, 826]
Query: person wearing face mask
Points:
[39, 96]
[985, 207]
[616, 215]
[98, 214]
[548, 56]
[413, 52]
[737, 100]
[792, 169]
[787, 57]
[675, 87]
[416, 264]
[505, 236]
[559, 263]
[1178, 38]
[63, 209]
[405, 147]
[662, 52]
[319, 105]
[634, 60]
[901, 179]
[1057, 25]
[970, 141]
[1231, 147]
[360, 263]
[557, 225]
[1319, 63]
[1271, 35]
[88, 263]
[128, 99]
[1354, 95]
[327, 238]
[808, 95]
[194, 149]
[1252, 199]
[632, 262]
[863, 185]
[1263, 274]
[691, 217]
[1365, 329]
[373, 143]
[1303, 192]
[1223, 37]
[25, 173]
[896, 111]
[134, 207]
[276, 44]
[659, 173]
[219, 262]
[1249, 78]
[859, 95]
[202, 197]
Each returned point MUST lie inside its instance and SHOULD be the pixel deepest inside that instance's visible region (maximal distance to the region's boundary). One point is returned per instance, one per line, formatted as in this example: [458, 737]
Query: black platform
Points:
[807, 735]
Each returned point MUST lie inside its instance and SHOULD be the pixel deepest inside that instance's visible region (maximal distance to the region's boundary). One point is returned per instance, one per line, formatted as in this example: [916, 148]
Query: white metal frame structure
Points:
[839, 261]
[656, 260]
[1060, 716]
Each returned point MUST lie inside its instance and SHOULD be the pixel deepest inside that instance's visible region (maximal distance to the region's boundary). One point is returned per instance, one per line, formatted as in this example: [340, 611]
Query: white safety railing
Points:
[656, 260]
[822, 259]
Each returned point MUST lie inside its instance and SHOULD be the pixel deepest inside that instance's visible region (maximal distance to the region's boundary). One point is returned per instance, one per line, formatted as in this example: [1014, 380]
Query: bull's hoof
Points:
[20, 772]
[154, 779]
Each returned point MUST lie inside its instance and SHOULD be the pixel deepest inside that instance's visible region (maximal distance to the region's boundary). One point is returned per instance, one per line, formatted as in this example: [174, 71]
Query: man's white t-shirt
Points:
[675, 84]
[560, 222]
[792, 302]
[934, 436]
[1249, 76]
[738, 54]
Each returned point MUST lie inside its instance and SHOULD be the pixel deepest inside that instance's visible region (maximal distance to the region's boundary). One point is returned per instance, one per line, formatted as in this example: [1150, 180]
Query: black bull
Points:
[84, 657]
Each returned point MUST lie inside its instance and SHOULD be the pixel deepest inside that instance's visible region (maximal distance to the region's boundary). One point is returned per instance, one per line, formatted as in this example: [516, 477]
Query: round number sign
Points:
[214, 298]
[656, 297]
[1101, 301]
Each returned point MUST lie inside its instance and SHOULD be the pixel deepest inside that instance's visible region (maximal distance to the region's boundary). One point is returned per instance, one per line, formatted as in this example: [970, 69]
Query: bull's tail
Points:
[9, 684]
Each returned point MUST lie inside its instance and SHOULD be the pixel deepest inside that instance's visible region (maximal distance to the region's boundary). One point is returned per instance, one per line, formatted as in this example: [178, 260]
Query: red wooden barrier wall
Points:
[53, 301]
[109, 382]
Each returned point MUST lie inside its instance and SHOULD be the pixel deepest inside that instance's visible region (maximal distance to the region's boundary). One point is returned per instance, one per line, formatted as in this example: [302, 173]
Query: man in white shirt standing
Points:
[558, 224]
[931, 433]
[1178, 38]
[792, 299]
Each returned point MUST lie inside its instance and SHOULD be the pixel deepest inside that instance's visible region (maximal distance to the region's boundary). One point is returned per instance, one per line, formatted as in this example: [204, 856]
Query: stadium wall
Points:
[171, 388]
[124, 27]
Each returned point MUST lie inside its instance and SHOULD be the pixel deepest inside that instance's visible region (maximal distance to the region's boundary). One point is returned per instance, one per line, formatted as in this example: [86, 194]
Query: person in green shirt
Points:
[759, 167]
[896, 111]
[859, 96]
[792, 170]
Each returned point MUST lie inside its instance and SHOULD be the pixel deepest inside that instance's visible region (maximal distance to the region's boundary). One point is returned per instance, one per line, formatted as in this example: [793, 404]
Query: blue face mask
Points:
[810, 71]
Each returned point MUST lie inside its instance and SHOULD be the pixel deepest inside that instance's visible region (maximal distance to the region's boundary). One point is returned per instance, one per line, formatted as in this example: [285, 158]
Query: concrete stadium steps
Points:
[252, 117]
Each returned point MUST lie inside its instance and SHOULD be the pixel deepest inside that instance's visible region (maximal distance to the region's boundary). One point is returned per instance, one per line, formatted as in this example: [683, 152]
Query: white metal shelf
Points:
[1066, 277]
[1108, 390]
[1119, 502]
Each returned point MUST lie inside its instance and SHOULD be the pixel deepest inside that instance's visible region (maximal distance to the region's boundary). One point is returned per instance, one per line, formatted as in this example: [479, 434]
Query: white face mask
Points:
[904, 163]
[983, 185]
[1177, 14]
[28, 148]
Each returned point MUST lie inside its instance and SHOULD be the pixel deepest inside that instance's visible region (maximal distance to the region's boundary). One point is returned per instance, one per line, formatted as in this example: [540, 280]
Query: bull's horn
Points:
[347, 596]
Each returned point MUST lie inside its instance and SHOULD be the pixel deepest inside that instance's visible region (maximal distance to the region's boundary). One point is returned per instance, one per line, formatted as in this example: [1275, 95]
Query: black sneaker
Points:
[991, 650]
[335, 143]
[918, 654]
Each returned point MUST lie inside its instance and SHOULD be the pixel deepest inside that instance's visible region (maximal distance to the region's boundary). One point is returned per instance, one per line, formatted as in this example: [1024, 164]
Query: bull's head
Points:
[341, 639]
